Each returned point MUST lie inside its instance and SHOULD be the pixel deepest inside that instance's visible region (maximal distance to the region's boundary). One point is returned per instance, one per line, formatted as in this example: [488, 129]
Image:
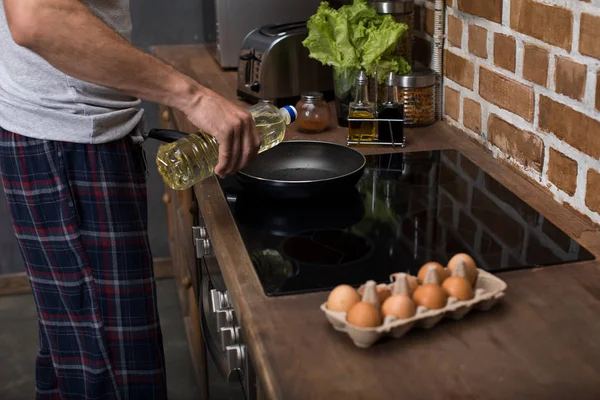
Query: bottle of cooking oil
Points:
[361, 108]
[193, 158]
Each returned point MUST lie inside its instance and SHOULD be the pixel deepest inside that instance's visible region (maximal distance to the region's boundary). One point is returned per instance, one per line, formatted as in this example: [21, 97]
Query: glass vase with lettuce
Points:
[354, 38]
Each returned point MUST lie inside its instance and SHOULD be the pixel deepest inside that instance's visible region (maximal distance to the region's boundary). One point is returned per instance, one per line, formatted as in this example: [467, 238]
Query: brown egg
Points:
[383, 292]
[400, 306]
[458, 287]
[441, 272]
[342, 298]
[431, 296]
[364, 315]
[470, 266]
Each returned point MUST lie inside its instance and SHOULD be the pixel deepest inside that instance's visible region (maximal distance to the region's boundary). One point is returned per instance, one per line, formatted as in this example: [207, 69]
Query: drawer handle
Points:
[166, 116]
[186, 282]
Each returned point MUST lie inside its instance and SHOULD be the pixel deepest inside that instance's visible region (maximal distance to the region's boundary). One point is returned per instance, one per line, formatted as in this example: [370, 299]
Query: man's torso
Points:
[39, 101]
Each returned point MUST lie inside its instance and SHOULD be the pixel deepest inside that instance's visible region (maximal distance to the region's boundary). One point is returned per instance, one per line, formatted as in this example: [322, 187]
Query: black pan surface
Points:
[303, 168]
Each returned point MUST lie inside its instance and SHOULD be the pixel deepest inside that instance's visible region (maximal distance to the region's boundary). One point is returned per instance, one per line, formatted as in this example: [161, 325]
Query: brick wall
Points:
[523, 77]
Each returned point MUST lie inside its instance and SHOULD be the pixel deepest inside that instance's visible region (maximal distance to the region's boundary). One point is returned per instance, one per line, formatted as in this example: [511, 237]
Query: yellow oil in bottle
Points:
[193, 158]
[362, 108]
[362, 131]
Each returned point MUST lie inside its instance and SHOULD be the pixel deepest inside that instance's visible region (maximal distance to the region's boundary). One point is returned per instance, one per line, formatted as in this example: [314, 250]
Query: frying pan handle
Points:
[166, 135]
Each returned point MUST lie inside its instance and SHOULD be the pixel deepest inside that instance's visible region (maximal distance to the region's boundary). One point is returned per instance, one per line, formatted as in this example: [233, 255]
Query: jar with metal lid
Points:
[314, 114]
[416, 91]
[403, 11]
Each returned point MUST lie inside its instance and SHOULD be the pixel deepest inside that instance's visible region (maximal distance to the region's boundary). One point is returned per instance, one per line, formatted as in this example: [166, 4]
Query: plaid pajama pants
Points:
[80, 217]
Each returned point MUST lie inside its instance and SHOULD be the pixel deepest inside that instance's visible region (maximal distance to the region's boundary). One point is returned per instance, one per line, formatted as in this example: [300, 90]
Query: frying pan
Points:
[295, 169]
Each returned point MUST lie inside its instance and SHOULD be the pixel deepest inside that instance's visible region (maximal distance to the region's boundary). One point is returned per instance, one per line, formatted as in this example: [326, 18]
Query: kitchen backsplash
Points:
[523, 77]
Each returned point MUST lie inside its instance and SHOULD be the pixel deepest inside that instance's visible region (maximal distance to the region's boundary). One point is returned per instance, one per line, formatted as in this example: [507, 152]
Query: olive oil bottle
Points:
[193, 158]
[362, 108]
[391, 114]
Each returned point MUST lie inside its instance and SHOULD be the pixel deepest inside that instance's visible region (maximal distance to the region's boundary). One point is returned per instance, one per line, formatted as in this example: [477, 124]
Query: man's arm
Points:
[73, 40]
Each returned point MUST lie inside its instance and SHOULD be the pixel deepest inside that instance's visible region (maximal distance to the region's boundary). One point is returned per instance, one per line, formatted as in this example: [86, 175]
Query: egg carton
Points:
[488, 290]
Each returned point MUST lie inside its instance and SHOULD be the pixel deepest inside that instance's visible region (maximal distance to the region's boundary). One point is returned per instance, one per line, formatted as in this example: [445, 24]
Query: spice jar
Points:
[416, 91]
[313, 113]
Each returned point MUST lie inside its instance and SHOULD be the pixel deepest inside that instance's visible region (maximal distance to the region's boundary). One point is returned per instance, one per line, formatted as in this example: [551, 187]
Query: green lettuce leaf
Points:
[329, 38]
[381, 42]
[356, 37]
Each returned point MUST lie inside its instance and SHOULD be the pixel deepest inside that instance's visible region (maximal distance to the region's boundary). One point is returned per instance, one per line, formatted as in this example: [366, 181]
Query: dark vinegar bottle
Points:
[391, 115]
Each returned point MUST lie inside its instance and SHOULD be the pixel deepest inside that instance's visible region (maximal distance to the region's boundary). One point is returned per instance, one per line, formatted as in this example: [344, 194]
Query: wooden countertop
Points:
[541, 342]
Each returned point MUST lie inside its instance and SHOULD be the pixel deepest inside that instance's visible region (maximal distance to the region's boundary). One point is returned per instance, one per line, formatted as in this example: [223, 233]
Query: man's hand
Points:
[233, 128]
[97, 54]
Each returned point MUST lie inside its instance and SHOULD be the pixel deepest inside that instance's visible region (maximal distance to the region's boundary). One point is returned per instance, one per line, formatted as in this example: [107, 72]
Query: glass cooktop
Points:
[408, 209]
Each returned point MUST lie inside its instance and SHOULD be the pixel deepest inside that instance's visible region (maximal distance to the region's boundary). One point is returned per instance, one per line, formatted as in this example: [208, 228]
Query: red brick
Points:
[478, 41]
[592, 198]
[562, 171]
[455, 31]
[570, 78]
[506, 93]
[573, 127]
[459, 69]
[521, 145]
[452, 103]
[429, 21]
[535, 64]
[589, 34]
[488, 9]
[551, 24]
[472, 115]
[505, 51]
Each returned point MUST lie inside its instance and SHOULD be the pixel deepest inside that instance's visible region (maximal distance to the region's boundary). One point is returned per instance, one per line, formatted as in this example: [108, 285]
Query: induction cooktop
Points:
[408, 209]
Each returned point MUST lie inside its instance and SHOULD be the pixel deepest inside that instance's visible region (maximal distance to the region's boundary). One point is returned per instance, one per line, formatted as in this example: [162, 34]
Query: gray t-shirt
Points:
[39, 101]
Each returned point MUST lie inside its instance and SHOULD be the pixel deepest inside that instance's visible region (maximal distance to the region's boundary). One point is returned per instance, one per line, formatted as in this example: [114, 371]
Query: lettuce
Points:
[355, 37]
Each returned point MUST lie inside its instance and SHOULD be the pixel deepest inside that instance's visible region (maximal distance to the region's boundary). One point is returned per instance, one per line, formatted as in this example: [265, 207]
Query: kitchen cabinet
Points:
[180, 218]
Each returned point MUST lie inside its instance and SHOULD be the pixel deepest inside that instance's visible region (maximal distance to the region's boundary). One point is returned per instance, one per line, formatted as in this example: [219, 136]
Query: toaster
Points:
[275, 66]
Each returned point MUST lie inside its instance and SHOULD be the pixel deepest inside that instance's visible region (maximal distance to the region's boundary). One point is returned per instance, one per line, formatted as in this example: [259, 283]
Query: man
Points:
[73, 171]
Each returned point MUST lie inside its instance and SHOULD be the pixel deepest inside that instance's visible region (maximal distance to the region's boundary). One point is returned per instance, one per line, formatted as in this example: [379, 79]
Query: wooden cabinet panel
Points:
[180, 218]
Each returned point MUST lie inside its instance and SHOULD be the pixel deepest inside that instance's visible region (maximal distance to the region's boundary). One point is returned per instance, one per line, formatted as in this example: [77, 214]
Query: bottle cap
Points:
[291, 110]
[362, 77]
[309, 96]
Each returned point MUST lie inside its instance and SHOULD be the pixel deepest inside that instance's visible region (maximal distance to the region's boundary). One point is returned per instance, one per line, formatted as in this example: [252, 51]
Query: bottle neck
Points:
[362, 93]
[288, 113]
[391, 95]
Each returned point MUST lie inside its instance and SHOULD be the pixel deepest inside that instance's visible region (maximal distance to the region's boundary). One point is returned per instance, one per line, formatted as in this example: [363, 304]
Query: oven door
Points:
[231, 372]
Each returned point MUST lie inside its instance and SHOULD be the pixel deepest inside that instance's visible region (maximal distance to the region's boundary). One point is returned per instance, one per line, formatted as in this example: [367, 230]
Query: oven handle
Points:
[213, 347]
